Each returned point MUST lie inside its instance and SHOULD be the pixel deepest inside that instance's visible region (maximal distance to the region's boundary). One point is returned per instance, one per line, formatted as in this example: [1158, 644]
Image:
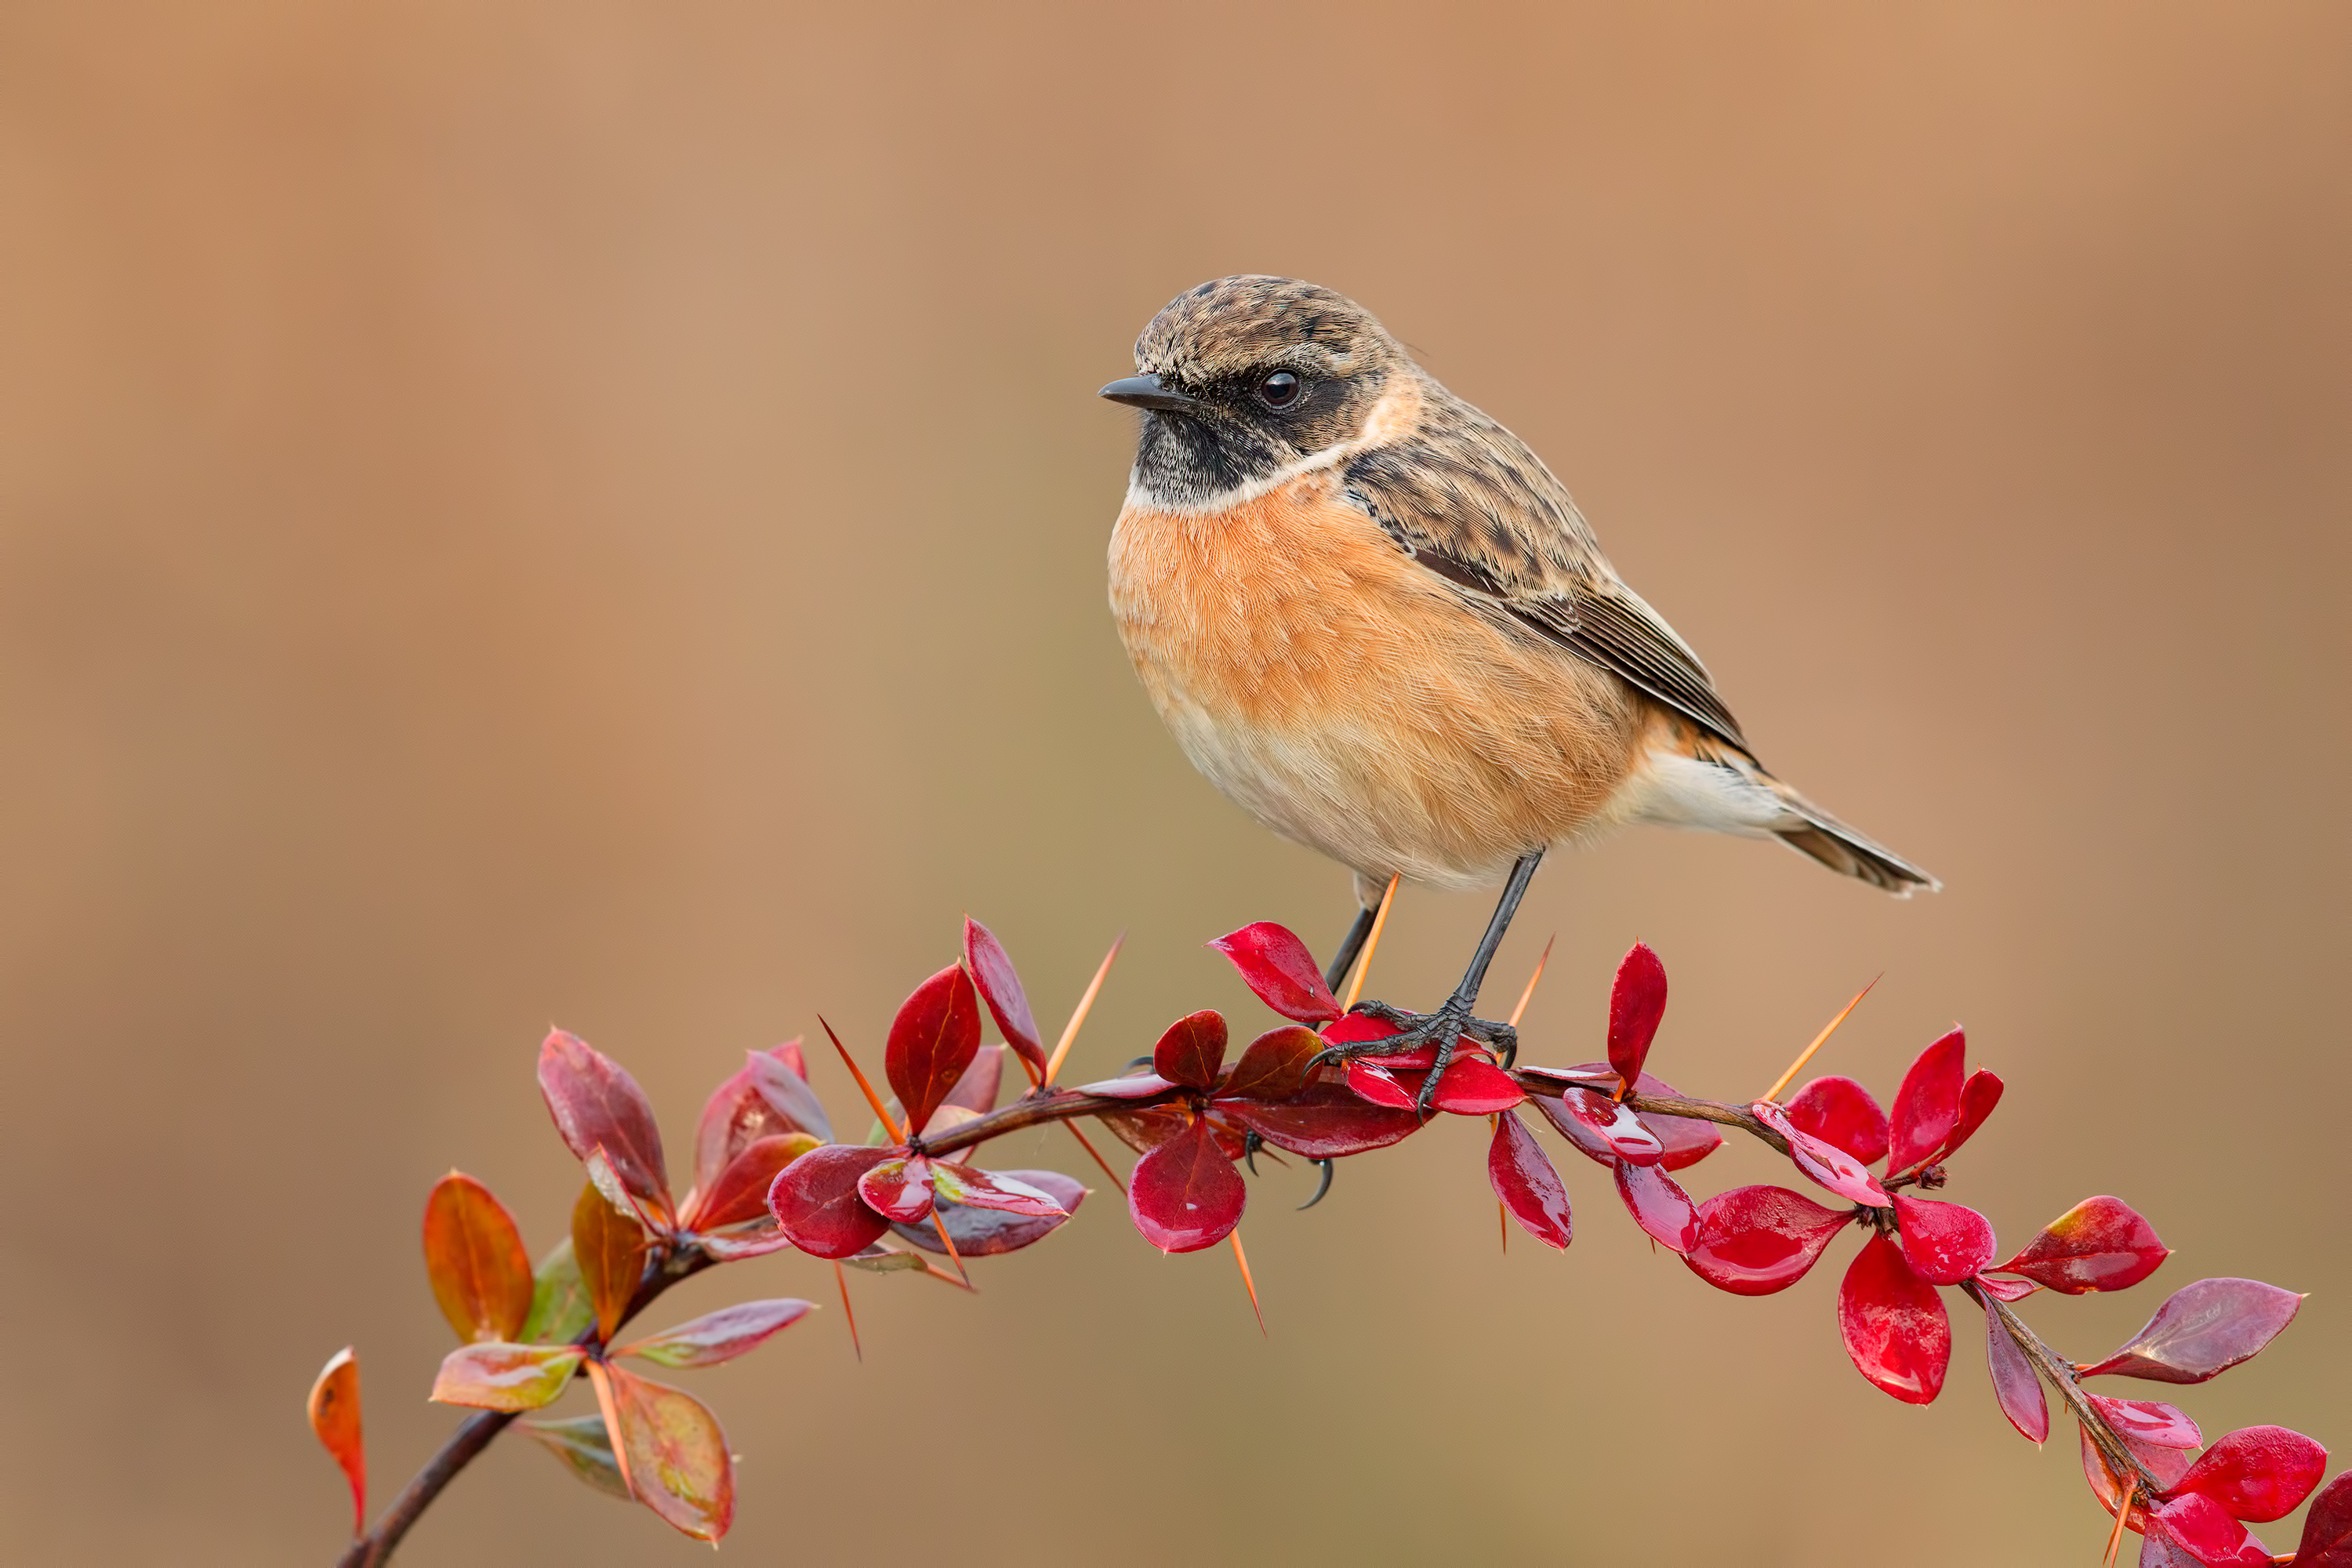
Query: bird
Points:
[1375, 620]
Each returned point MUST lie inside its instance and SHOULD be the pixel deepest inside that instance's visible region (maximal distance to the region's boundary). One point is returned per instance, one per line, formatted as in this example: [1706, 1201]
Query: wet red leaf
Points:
[739, 1244]
[985, 1232]
[1978, 1095]
[597, 1105]
[1658, 1205]
[1185, 1195]
[1687, 1140]
[2166, 1462]
[670, 1450]
[1755, 1240]
[2258, 1473]
[738, 1115]
[1838, 1111]
[993, 1190]
[816, 1203]
[1358, 1029]
[1275, 1065]
[977, 1090]
[1928, 1106]
[1192, 1051]
[1145, 1130]
[610, 1249]
[1636, 1002]
[1135, 1086]
[334, 1410]
[1322, 1121]
[1524, 1179]
[1474, 1086]
[494, 1376]
[719, 1336]
[1894, 1324]
[2148, 1421]
[1944, 1243]
[2327, 1527]
[898, 1189]
[1378, 1086]
[1599, 1126]
[1000, 988]
[2014, 1385]
[741, 1193]
[2198, 1526]
[2007, 1290]
[932, 1041]
[1830, 1165]
[1277, 966]
[2100, 1244]
[2202, 1331]
[474, 1256]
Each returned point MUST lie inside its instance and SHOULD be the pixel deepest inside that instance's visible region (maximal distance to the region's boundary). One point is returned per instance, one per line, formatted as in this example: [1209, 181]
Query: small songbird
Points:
[1377, 622]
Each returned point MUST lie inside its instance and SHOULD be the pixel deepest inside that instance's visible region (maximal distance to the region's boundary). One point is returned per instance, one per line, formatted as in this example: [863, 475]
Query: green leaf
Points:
[560, 1308]
[585, 1449]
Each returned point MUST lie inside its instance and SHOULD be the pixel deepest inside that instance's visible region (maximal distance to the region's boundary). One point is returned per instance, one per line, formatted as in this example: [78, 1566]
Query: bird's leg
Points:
[1451, 1022]
[1349, 945]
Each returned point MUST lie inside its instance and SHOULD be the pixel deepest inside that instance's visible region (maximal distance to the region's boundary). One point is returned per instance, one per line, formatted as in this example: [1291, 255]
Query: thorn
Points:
[1529, 995]
[1053, 1066]
[1322, 1185]
[889, 1123]
[1819, 1041]
[1372, 946]
[940, 1225]
[2116, 1536]
[1503, 1224]
[841, 1277]
[1085, 1143]
[1242, 1259]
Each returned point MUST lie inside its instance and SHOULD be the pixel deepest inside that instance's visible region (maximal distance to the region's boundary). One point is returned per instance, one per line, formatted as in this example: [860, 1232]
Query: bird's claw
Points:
[1322, 1184]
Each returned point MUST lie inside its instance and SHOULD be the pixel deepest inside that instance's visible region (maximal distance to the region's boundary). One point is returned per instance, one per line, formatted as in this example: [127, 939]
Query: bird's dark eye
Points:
[1280, 390]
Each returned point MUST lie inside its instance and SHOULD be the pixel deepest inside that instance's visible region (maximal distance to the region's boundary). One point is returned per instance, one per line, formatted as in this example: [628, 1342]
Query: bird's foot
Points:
[1443, 1029]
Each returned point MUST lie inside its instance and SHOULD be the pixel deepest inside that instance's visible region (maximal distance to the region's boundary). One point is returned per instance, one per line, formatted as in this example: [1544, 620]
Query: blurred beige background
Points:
[595, 513]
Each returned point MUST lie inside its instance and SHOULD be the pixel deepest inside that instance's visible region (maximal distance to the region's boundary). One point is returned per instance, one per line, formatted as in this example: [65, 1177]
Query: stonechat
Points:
[1377, 623]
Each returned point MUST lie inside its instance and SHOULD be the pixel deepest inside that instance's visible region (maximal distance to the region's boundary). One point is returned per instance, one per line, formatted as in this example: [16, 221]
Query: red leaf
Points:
[932, 1041]
[1944, 1243]
[898, 1189]
[1687, 1140]
[1753, 1241]
[784, 1086]
[597, 1105]
[719, 1336]
[670, 1450]
[2166, 1463]
[977, 1090]
[1322, 1121]
[1474, 1086]
[741, 1193]
[1277, 965]
[738, 1115]
[1192, 1051]
[2202, 1331]
[985, 1232]
[1928, 1106]
[1601, 1128]
[2198, 1526]
[475, 1259]
[816, 1200]
[1137, 1086]
[2257, 1473]
[492, 1376]
[1000, 988]
[1358, 1029]
[2014, 1385]
[1379, 1086]
[2327, 1527]
[2100, 1244]
[1275, 1065]
[1185, 1195]
[989, 1190]
[1894, 1324]
[2150, 1423]
[2007, 1290]
[757, 1243]
[1527, 1184]
[1658, 1205]
[610, 1249]
[1839, 1110]
[1978, 1095]
[335, 1417]
[1830, 1165]
[1636, 1002]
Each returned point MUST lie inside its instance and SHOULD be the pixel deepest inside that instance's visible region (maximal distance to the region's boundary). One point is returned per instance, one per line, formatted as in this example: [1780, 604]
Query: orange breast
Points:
[1354, 701]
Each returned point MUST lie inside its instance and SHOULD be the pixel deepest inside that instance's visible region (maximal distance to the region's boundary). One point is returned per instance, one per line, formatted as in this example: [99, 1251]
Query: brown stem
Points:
[2059, 1372]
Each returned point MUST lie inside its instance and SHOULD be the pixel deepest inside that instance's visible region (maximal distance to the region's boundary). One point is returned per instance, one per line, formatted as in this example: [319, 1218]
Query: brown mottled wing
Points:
[1468, 500]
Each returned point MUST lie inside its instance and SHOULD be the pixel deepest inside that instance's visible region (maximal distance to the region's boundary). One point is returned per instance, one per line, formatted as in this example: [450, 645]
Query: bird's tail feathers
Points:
[1809, 830]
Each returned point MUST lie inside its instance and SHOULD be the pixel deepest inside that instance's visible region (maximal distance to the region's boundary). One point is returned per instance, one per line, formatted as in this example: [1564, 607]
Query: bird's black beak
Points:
[1145, 392]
